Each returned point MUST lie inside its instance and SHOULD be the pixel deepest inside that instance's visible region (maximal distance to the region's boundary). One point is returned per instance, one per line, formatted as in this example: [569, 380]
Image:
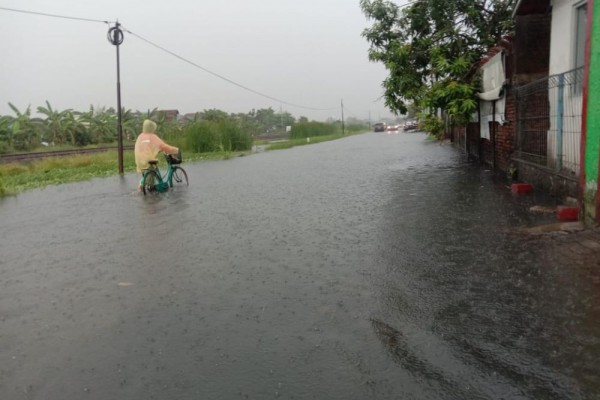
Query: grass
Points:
[309, 140]
[19, 177]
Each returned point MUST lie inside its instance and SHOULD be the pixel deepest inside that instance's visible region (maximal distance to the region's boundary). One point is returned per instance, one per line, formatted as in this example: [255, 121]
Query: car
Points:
[392, 127]
[410, 126]
[379, 127]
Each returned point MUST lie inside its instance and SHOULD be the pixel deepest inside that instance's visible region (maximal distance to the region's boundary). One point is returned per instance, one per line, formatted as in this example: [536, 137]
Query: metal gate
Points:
[549, 122]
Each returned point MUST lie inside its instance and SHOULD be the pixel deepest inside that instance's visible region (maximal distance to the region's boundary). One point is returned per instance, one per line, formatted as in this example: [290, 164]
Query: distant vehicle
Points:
[379, 127]
[393, 127]
[410, 126]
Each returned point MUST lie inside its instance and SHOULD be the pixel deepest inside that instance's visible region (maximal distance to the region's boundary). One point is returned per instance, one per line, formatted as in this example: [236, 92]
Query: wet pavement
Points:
[373, 267]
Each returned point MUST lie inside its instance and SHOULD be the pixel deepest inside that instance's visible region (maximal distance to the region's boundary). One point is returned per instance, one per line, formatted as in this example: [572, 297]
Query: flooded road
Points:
[373, 267]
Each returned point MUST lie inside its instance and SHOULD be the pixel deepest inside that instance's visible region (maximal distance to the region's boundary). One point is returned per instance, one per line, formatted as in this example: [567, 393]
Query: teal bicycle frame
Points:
[154, 181]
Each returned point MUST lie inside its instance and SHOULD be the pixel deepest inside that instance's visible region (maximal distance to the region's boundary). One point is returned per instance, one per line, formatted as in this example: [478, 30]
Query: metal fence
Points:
[549, 113]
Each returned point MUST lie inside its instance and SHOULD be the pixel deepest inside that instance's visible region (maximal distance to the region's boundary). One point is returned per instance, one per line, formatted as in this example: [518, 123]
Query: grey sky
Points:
[305, 52]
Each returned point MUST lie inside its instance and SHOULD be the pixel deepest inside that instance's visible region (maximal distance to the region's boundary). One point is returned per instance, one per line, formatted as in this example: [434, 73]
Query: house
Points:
[557, 136]
[169, 115]
[189, 117]
[539, 111]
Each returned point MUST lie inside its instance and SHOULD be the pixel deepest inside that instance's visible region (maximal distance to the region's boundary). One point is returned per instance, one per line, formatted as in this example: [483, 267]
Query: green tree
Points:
[54, 122]
[100, 125]
[266, 119]
[214, 115]
[132, 125]
[5, 133]
[75, 129]
[430, 49]
[285, 119]
[24, 129]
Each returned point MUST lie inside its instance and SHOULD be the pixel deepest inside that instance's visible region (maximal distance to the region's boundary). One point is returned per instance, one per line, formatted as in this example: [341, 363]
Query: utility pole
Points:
[115, 37]
[343, 128]
[281, 118]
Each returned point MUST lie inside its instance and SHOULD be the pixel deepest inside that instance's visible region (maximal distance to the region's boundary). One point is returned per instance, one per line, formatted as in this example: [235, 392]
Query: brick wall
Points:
[473, 140]
[505, 134]
[527, 59]
[531, 48]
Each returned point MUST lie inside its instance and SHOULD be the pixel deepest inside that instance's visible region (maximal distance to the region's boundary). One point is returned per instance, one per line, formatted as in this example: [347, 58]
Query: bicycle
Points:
[153, 181]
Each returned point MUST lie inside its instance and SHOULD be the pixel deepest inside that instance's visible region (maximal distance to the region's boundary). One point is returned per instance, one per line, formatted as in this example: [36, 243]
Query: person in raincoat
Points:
[148, 145]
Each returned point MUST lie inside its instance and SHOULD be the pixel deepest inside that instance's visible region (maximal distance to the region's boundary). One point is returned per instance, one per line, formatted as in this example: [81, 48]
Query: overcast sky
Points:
[309, 53]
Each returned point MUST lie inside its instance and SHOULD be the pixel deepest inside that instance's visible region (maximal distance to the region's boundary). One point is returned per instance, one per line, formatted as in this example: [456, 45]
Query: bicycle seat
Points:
[153, 162]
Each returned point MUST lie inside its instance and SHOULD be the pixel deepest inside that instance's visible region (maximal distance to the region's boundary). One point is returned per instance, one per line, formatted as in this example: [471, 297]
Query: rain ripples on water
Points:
[377, 266]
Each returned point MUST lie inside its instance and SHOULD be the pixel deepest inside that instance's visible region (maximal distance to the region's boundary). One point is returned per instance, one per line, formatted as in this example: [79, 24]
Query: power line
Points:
[408, 3]
[169, 52]
[55, 15]
[222, 77]
[349, 110]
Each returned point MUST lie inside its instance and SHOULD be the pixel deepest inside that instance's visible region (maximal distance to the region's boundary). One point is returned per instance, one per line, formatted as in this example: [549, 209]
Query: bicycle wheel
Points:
[179, 178]
[149, 181]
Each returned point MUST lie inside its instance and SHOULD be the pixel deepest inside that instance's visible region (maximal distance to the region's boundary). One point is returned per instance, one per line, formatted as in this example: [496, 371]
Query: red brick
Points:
[564, 213]
[521, 188]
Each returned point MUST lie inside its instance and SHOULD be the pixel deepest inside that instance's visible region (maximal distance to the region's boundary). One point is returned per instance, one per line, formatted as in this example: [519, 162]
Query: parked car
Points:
[379, 127]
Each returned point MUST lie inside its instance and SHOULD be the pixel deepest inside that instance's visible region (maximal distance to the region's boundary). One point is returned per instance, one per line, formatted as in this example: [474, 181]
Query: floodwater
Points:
[373, 267]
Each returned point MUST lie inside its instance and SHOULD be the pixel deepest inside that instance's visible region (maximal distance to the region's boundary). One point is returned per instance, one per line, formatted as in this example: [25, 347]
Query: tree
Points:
[24, 129]
[101, 126]
[54, 122]
[5, 133]
[76, 129]
[214, 115]
[266, 119]
[431, 48]
[131, 124]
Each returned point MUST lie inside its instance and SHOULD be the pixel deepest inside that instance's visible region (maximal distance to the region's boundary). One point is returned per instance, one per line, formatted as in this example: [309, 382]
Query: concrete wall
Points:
[556, 185]
[562, 36]
[562, 59]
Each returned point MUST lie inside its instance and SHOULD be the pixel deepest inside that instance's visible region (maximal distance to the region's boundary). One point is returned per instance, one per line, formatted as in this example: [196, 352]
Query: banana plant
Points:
[25, 130]
[55, 121]
[6, 131]
[101, 125]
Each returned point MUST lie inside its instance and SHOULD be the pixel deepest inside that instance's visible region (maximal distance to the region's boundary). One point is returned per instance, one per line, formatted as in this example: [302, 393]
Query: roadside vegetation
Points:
[432, 51]
[316, 132]
[211, 134]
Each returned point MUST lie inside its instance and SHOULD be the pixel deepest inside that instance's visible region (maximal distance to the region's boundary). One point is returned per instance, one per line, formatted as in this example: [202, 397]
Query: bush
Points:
[357, 127]
[82, 138]
[433, 125]
[213, 136]
[309, 129]
[232, 137]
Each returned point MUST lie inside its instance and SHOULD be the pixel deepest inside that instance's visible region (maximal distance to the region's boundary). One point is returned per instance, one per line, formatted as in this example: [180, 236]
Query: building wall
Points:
[562, 59]
[592, 143]
[531, 48]
[505, 134]
[562, 36]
